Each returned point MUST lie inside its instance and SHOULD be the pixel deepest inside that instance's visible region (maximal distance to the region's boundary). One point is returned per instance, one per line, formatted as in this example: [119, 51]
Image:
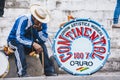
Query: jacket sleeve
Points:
[43, 35]
[20, 33]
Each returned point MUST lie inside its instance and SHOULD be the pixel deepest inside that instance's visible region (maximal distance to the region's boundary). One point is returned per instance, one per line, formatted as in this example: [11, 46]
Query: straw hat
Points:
[40, 13]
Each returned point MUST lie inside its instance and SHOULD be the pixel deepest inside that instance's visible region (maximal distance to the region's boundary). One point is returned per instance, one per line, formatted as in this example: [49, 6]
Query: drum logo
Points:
[81, 47]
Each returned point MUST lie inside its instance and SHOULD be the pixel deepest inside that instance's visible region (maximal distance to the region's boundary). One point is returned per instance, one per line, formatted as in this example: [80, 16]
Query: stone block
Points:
[112, 65]
[34, 67]
[17, 3]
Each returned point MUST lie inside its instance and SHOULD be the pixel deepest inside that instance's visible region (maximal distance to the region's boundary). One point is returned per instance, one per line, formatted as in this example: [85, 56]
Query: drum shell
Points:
[4, 65]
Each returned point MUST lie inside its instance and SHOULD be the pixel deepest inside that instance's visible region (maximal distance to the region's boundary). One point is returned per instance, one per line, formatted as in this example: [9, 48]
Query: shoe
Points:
[26, 75]
[51, 74]
[116, 26]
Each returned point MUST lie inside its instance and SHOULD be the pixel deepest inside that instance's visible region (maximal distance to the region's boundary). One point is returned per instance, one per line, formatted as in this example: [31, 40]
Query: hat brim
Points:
[47, 18]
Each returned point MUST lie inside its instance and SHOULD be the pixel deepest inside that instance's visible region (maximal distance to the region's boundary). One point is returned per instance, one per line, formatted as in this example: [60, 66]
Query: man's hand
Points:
[37, 47]
[39, 28]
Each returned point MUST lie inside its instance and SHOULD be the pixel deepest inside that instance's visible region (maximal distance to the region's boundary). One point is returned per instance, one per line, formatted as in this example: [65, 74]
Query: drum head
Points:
[81, 47]
[3, 63]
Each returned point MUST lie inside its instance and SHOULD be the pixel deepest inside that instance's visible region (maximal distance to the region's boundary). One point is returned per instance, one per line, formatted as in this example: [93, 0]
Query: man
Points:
[2, 5]
[29, 33]
[116, 15]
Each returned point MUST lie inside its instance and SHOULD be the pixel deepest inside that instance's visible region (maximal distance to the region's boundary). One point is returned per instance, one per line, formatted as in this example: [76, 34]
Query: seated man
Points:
[29, 33]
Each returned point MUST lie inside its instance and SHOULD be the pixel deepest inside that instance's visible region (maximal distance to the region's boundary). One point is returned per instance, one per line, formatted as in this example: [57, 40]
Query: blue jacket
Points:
[23, 33]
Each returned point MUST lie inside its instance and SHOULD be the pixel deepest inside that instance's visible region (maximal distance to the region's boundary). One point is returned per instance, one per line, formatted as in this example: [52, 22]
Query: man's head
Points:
[40, 13]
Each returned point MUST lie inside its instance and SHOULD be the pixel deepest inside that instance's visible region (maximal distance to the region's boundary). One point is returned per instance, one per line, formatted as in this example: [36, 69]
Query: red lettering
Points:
[94, 36]
[63, 41]
[87, 55]
[79, 31]
[97, 56]
[68, 34]
[87, 31]
[78, 55]
[64, 58]
[73, 30]
[102, 41]
[62, 49]
[100, 49]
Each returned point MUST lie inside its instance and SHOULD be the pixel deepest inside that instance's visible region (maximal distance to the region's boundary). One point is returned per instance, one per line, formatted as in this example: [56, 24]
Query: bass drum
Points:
[4, 65]
[81, 46]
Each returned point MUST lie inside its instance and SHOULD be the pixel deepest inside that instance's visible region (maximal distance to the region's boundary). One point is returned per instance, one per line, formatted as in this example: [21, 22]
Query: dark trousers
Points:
[2, 5]
[20, 57]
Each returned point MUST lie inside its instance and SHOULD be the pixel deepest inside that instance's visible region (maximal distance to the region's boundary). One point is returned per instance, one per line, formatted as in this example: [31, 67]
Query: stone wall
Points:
[17, 3]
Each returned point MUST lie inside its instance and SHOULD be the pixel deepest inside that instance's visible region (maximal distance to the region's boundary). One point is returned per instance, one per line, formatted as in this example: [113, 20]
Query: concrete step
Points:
[96, 76]
[17, 3]
[65, 4]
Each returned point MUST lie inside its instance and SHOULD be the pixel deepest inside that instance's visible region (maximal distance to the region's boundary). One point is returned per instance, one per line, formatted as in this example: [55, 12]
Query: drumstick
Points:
[69, 17]
[43, 61]
[34, 54]
[8, 50]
